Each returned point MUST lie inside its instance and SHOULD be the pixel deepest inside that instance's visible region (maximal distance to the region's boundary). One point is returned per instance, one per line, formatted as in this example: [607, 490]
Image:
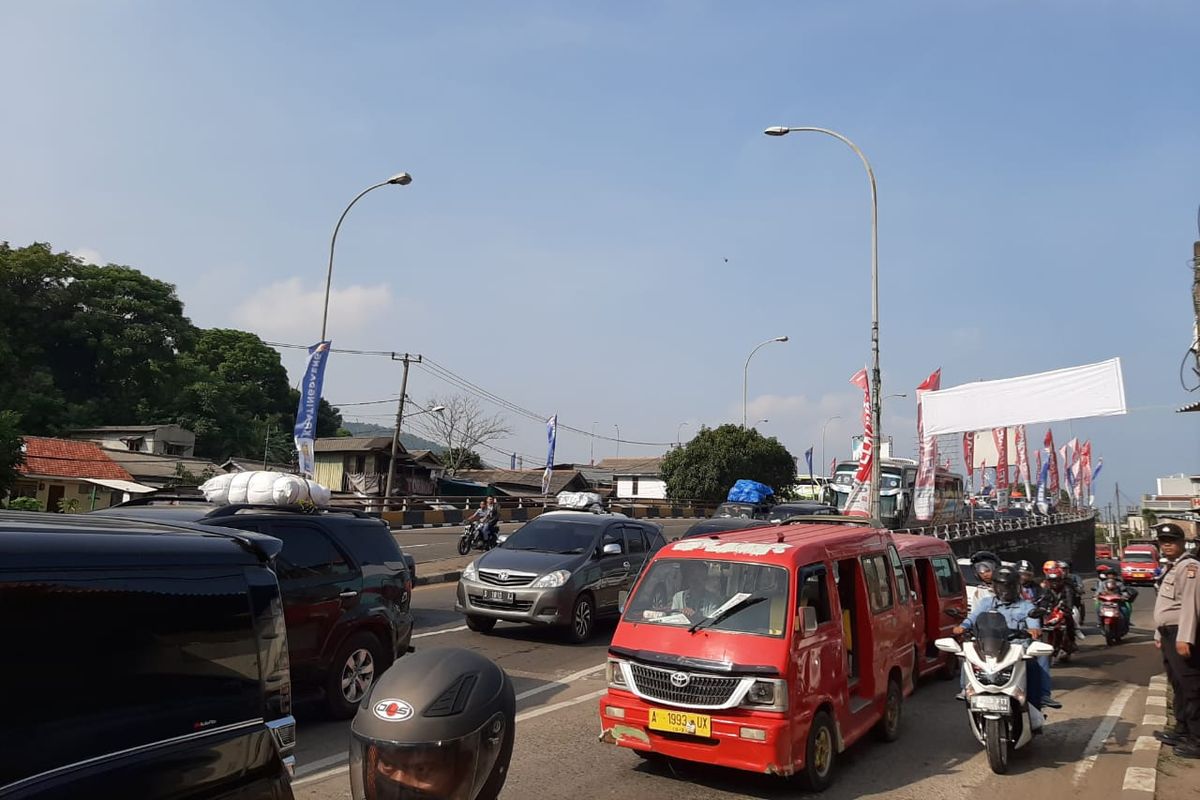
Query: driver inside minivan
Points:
[701, 594]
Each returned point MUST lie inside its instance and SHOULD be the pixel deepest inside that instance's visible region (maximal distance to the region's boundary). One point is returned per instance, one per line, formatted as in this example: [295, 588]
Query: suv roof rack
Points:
[233, 508]
[245, 542]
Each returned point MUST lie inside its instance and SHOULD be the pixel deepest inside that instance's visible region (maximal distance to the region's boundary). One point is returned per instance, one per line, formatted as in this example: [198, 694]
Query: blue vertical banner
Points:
[305, 432]
[808, 459]
[551, 435]
[1043, 478]
[512, 461]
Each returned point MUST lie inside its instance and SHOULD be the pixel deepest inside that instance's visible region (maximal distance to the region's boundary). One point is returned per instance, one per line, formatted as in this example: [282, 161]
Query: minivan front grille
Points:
[700, 689]
[504, 577]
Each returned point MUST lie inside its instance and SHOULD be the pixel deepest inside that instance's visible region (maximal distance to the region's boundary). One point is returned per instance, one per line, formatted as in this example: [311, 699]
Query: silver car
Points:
[566, 568]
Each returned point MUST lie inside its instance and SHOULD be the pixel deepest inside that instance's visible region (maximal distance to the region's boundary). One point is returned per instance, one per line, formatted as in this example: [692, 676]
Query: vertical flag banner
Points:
[512, 461]
[923, 499]
[305, 432]
[983, 484]
[1099, 466]
[808, 459]
[1043, 476]
[832, 468]
[1073, 456]
[1085, 471]
[969, 458]
[1000, 438]
[1052, 484]
[858, 504]
[1023, 459]
[551, 435]
[1064, 453]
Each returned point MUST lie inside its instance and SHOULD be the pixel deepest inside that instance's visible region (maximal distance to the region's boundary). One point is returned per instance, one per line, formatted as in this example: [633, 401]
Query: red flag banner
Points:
[1022, 457]
[1054, 485]
[1000, 437]
[858, 504]
[1085, 470]
[923, 500]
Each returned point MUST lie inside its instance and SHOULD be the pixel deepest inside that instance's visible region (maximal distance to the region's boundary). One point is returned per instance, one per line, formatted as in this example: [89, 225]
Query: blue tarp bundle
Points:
[745, 491]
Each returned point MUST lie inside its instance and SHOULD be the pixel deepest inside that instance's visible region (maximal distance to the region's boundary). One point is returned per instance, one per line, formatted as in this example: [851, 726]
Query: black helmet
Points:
[1024, 566]
[1006, 584]
[984, 561]
[437, 724]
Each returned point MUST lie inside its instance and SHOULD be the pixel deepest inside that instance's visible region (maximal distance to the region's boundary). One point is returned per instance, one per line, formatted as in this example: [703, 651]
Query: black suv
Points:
[346, 588]
[141, 659]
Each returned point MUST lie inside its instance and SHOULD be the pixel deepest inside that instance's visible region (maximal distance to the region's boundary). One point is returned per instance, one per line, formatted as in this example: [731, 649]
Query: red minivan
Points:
[768, 650]
[940, 602]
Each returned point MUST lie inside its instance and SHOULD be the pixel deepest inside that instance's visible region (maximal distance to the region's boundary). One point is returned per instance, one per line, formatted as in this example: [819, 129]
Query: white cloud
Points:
[287, 310]
[88, 255]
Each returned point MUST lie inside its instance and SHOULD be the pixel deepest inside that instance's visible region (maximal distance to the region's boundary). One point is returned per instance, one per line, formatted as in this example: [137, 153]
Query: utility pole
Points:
[406, 359]
[267, 445]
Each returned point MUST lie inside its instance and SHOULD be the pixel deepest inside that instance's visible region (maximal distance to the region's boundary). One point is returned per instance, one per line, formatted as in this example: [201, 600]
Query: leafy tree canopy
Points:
[708, 465]
[11, 456]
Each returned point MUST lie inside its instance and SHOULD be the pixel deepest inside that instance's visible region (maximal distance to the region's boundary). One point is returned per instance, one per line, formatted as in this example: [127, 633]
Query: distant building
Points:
[1177, 494]
[636, 478]
[160, 440]
[526, 482]
[359, 464]
[68, 475]
[163, 471]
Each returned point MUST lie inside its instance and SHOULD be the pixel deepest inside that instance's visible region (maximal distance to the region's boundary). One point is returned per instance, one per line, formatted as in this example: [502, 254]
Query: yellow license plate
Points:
[681, 722]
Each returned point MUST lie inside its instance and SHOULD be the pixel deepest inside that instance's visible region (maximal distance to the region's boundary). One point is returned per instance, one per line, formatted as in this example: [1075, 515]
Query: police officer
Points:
[1176, 612]
[437, 725]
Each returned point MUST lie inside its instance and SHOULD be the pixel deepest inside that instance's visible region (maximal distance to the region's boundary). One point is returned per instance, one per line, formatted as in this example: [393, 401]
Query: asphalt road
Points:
[558, 754]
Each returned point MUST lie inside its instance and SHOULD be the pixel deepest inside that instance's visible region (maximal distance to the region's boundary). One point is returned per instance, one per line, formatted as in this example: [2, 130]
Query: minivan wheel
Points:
[480, 624]
[356, 665]
[583, 619]
[888, 727]
[819, 754]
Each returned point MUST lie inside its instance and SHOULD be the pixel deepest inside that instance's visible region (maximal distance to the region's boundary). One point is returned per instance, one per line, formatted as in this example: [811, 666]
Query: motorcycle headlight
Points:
[469, 572]
[552, 580]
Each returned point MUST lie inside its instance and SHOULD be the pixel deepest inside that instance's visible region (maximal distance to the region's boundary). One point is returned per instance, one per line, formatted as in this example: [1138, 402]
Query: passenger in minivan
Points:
[701, 594]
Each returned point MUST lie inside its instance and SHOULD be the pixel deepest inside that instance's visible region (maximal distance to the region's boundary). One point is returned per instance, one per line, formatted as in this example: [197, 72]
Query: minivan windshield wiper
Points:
[731, 607]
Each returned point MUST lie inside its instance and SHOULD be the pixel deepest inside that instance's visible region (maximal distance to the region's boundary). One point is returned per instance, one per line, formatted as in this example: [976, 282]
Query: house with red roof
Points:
[70, 475]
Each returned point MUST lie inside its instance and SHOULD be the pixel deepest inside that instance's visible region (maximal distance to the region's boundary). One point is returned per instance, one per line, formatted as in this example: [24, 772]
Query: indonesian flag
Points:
[1053, 484]
[923, 501]
[858, 504]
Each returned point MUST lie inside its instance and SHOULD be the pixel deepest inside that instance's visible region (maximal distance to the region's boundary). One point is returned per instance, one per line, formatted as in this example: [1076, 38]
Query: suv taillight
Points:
[276, 673]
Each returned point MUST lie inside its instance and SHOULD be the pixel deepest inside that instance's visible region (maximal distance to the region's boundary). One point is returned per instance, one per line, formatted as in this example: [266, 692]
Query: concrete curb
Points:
[438, 577]
[1141, 775]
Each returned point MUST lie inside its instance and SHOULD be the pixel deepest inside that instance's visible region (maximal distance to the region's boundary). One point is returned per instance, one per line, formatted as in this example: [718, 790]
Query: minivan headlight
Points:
[469, 573]
[615, 674]
[552, 580]
[767, 695]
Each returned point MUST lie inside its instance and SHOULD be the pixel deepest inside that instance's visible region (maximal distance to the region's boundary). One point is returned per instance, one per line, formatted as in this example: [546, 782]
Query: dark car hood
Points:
[529, 560]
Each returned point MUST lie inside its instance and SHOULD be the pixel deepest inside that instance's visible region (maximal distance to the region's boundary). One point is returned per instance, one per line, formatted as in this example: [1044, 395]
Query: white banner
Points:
[1092, 390]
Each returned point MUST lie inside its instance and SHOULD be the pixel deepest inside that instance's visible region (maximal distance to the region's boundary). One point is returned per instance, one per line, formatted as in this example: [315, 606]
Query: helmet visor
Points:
[446, 770]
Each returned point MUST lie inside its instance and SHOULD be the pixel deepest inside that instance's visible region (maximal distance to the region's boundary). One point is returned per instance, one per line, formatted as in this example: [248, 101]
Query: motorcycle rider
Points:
[984, 563]
[1021, 615]
[1031, 590]
[1076, 588]
[491, 522]
[1112, 584]
[1058, 593]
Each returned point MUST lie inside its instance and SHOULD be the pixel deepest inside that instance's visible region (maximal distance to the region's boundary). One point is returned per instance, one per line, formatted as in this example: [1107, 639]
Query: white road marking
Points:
[320, 776]
[1146, 743]
[439, 633]
[583, 673]
[1156, 700]
[1158, 681]
[320, 764]
[1139, 779]
[537, 712]
[1154, 720]
[1103, 731]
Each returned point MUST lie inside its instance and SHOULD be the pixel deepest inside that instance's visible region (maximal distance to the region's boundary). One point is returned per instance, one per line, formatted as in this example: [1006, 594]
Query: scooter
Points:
[475, 537]
[1056, 634]
[995, 668]
[1112, 618]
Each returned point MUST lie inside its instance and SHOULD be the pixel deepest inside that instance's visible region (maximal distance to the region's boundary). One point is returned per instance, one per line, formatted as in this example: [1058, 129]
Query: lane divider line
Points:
[1103, 731]
[537, 712]
[574, 676]
[439, 632]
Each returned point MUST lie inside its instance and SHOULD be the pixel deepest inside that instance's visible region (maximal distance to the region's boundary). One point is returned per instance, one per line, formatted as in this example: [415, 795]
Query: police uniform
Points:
[1177, 619]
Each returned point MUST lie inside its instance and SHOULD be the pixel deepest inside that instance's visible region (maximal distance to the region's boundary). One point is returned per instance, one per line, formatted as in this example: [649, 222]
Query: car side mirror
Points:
[806, 621]
[948, 645]
[611, 549]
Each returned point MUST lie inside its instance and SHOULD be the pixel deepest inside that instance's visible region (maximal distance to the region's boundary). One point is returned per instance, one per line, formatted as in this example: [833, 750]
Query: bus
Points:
[898, 478]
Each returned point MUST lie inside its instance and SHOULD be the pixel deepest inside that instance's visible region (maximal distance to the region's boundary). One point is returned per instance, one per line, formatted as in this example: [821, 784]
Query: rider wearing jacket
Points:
[1058, 593]
[1114, 585]
[1031, 590]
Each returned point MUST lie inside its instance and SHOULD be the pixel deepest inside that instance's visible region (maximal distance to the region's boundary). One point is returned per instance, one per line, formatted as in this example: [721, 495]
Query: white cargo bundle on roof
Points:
[581, 501]
[260, 487]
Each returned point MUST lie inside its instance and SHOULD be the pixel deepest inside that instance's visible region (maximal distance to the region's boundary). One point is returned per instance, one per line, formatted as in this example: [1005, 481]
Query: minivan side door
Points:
[317, 582]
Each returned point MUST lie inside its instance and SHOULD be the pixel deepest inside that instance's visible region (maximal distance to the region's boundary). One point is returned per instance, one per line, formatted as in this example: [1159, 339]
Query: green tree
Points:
[458, 458]
[11, 456]
[708, 465]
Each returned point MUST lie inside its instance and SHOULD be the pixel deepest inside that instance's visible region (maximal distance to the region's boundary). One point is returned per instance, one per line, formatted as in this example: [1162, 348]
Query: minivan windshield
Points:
[726, 595]
[1140, 558]
[547, 535]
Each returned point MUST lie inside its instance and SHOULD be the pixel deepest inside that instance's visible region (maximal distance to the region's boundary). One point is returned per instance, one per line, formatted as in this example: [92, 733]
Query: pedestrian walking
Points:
[1176, 615]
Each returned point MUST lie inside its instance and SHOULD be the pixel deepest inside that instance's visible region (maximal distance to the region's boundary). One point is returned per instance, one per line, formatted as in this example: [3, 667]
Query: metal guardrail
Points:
[966, 530]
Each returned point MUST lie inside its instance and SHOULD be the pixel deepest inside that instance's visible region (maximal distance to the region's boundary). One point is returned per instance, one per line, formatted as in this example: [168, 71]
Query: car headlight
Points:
[469, 573]
[552, 580]
[768, 694]
[615, 674]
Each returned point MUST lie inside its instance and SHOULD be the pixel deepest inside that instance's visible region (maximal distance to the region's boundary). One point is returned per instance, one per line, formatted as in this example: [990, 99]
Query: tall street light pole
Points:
[678, 429]
[746, 371]
[400, 179]
[618, 427]
[831, 419]
[592, 456]
[875, 377]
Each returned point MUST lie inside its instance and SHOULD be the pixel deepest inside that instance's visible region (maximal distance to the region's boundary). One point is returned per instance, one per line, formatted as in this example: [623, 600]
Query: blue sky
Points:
[583, 171]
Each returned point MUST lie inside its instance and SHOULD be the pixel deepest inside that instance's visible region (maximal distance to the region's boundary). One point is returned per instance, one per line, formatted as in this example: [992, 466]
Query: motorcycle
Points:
[1112, 617]
[475, 537]
[1056, 634]
[994, 663]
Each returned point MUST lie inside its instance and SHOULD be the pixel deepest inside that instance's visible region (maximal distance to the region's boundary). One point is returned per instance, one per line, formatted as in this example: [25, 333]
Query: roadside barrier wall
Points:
[1061, 537]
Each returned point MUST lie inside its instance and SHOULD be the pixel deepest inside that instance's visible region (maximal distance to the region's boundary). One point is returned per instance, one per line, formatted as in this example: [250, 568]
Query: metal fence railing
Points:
[966, 530]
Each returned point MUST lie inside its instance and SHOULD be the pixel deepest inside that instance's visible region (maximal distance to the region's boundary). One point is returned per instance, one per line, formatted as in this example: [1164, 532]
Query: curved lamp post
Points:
[746, 371]
[876, 433]
[399, 179]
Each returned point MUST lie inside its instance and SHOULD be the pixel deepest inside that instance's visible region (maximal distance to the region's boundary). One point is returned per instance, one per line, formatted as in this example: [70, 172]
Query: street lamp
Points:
[399, 179]
[875, 377]
[618, 427]
[434, 410]
[831, 419]
[760, 422]
[678, 428]
[746, 371]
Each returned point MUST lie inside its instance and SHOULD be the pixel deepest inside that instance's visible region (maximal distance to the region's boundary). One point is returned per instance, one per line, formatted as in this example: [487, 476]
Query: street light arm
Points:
[332, 243]
[746, 371]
